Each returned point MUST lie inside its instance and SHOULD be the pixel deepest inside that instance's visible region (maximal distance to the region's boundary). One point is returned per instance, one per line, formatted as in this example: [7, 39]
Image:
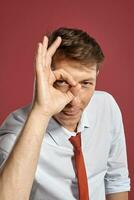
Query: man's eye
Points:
[87, 84]
[61, 83]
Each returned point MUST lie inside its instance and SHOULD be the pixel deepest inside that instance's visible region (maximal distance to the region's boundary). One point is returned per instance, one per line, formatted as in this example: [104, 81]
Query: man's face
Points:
[86, 77]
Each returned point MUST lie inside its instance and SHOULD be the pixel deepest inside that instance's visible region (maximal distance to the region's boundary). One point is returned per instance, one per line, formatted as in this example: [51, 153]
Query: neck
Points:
[71, 128]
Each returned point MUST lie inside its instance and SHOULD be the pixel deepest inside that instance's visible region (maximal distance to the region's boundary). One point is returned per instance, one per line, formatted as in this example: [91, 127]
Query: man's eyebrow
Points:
[88, 79]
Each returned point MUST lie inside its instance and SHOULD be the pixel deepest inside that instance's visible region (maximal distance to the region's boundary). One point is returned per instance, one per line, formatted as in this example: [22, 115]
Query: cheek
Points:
[86, 95]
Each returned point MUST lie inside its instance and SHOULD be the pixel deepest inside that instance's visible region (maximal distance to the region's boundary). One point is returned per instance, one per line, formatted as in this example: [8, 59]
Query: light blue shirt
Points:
[103, 145]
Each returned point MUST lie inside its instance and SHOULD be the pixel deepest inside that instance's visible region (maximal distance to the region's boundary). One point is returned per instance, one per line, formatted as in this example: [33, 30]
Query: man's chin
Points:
[67, 117]
[67, 121]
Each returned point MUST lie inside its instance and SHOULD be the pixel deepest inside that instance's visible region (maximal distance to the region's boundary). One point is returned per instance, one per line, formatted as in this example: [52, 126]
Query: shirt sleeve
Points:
[9, 132]
[117, 176]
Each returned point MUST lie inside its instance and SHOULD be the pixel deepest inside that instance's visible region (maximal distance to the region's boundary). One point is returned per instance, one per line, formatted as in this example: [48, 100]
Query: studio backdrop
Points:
[23, 24]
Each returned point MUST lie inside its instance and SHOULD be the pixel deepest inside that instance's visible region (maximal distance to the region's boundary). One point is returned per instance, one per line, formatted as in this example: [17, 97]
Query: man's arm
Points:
[16, 178]
[117, 196]
[117, 181]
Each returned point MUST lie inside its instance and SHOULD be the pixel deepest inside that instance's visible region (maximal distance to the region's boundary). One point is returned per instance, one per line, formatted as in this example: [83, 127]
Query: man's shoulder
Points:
[22, 112]
[15, 120]
[102, 97]
[102, 94]
[103, 102]
[104, 109]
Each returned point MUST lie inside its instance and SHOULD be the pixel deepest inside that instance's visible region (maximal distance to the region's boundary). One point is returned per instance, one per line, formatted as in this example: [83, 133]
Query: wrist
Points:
[37, 113]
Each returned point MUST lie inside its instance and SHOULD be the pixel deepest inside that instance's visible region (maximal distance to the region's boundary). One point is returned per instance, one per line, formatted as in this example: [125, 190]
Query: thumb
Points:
[73, 92]
[69, 96]
[75, 89]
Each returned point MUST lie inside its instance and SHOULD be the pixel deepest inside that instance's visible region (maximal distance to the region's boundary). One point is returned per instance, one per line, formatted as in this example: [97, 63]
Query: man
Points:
[37, 153]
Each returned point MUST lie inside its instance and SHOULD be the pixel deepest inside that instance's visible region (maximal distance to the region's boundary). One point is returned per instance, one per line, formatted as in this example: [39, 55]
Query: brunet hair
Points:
[76, 45]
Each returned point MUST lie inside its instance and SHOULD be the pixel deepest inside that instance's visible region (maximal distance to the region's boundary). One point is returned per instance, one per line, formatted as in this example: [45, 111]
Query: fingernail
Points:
[59, 38]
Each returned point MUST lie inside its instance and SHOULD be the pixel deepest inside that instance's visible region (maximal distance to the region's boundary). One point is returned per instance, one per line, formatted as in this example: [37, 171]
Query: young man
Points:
[38, 159]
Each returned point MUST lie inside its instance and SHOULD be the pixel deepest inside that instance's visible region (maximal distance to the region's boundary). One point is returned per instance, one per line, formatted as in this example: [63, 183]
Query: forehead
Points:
[76, 69]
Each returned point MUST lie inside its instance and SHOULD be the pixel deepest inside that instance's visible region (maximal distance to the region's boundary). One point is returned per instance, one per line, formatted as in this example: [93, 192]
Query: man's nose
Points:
[76, 92]
[75, 101]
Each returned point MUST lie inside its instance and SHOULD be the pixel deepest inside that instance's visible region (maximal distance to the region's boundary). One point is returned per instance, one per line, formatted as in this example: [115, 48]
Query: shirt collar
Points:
[83, 123]
[59, 134]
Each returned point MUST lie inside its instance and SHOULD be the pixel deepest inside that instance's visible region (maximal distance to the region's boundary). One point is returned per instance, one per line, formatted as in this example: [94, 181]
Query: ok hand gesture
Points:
[47, 99]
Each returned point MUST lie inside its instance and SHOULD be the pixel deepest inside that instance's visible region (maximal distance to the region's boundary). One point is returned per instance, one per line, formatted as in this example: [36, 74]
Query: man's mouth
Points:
[71, 112]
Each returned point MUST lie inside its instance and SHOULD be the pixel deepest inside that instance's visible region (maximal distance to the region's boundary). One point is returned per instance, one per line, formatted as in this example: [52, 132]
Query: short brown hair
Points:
[77, 45]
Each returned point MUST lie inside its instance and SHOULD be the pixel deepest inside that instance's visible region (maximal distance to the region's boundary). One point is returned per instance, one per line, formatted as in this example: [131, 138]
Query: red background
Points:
[23, 23]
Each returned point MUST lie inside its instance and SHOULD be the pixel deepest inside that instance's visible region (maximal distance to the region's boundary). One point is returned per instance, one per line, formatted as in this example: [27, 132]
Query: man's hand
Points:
[47, 99]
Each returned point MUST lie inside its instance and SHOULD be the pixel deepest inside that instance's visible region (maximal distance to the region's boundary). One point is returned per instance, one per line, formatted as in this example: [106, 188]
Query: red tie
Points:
[80, 167]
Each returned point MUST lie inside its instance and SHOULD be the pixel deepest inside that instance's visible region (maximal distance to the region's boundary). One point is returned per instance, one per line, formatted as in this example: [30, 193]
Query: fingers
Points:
[73, 86]
[69, 96]
[44, 55]
[44, 49]
[75, 89]
[72, 93]
[39, 57]
[54, 46]
[51, 50]
[61, 74]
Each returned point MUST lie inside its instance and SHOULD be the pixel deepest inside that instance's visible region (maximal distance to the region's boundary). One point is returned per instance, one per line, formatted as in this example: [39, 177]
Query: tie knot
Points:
[76, 141]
